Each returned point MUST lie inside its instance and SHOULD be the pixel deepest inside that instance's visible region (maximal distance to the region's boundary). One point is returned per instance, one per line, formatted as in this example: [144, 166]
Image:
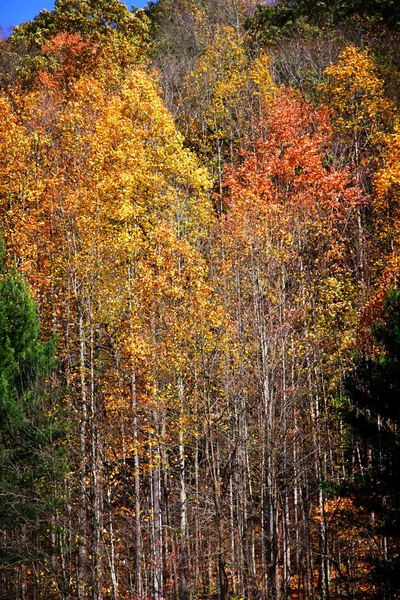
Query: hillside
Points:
[199, 302]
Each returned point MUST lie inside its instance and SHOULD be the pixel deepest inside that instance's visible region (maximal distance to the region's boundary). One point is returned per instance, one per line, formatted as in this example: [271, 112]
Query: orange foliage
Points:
[68, 56]
[285, 188]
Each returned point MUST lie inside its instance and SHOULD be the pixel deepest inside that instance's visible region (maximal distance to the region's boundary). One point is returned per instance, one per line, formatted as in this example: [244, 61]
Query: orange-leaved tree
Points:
[108, 216]
[287, 277]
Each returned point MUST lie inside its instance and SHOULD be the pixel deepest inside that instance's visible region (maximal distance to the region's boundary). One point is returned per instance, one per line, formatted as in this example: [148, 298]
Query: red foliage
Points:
[288, 183]
[68, 57]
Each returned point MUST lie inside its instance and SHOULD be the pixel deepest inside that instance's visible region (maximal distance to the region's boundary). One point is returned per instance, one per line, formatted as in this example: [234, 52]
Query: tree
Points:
[98, 19]
[355, 92]
[110, 234]
[373, 388]
[78, 36]
[280, 18]
[286, 279]
[362, 116]
[221, 97]
[30, 461]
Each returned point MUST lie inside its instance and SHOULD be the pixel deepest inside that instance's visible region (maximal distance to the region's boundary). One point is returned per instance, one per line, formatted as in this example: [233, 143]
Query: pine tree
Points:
[29, 458]
[373, 388]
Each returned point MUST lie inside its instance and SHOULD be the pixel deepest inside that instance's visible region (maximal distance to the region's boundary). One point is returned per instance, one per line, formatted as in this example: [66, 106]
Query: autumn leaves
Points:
[205, 278]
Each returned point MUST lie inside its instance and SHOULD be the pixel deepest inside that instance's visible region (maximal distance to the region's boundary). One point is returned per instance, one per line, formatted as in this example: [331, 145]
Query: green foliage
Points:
[29, 460]
[86, 17]
[281, 18]
[340, 10]
[374, 385]
[272, 20]
[373, 388]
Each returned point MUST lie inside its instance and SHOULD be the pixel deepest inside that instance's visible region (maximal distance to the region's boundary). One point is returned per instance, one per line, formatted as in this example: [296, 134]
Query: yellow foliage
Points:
[220, 95]
[109, 212]
[260, 74]
[356, 94]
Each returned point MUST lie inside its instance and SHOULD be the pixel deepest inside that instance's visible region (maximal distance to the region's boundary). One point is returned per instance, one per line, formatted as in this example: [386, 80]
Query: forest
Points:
[199, 301]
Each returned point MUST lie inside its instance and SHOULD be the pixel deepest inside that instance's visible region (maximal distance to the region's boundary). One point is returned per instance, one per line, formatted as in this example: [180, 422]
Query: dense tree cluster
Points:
[198, 204]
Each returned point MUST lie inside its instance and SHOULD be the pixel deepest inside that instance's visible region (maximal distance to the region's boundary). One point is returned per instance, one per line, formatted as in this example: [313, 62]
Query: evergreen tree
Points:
[373, 388]
[29, 459]
[274, 20]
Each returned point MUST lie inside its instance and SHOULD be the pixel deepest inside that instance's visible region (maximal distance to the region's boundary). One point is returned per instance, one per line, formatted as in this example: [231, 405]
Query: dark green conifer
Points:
[373, 388]
[30, 459]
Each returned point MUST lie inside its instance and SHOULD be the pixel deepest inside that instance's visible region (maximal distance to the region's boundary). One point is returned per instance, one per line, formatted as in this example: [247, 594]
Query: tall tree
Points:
[30, 459]
[373, 389]
[287, 280]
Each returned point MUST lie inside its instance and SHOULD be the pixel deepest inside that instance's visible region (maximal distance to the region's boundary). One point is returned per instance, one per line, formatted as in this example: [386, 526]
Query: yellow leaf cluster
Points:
[356, 94]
